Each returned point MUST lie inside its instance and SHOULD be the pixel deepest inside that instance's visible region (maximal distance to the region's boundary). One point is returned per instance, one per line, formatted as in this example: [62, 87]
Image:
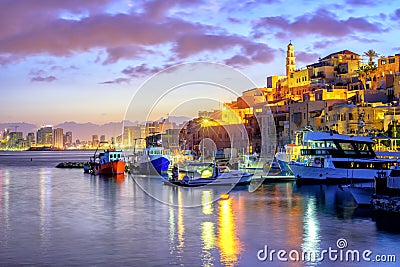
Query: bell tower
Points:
[290, 59]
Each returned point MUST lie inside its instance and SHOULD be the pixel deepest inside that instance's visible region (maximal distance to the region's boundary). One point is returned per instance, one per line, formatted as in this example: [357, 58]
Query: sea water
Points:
[64, 217]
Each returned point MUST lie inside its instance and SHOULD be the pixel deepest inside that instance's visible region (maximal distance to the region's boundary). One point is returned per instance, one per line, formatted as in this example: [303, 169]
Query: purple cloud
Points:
[362, 2]
[142, 70]
[306, 57]
[117, 81]
[322, 22]
[43, 79]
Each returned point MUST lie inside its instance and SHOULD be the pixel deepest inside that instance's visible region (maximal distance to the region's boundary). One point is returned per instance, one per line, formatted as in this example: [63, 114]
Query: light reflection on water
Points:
[51, 216]
[228, 241]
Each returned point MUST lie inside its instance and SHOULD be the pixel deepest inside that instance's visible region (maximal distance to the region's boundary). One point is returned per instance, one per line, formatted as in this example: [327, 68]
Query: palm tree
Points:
[371, 54]
[366, 72]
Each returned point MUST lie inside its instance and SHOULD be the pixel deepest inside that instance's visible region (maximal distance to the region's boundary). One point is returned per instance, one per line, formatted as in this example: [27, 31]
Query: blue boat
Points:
[153, 160]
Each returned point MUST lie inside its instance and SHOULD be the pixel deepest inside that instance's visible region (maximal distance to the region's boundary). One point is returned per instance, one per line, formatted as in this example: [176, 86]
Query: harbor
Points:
[83, 219]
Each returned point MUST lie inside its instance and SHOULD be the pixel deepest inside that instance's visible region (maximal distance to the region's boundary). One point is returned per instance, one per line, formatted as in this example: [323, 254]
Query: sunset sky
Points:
[84, 60]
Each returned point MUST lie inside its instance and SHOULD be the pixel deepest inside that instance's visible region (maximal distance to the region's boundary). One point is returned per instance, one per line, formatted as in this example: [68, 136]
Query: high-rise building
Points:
[15, 138]
[58, 138]
[30, 139]
[132, 137]
[44, 136]
[68, 139]
[95, 140]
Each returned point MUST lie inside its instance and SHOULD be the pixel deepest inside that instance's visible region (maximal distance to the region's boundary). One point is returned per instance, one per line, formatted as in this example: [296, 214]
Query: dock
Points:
[274, 178]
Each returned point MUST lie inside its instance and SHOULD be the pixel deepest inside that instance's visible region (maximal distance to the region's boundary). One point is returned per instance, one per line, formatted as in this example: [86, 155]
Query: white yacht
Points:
[337, 158]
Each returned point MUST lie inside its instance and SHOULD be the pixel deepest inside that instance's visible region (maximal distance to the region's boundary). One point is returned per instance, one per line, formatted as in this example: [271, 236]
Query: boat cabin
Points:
[110, 155]
[342, 151]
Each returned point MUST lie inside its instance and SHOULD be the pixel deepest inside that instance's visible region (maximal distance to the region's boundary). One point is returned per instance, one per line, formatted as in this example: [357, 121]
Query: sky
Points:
[84, 61]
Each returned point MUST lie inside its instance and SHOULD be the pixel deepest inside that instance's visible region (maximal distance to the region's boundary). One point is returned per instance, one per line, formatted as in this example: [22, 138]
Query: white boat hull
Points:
[310, 174]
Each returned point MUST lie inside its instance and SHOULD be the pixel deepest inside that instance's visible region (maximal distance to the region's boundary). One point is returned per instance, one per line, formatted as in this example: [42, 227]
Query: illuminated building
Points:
[44, 136]
[58, 138]
[95, 140]
[290, 60]
[132, 137]
[30, 139]
[68, 139]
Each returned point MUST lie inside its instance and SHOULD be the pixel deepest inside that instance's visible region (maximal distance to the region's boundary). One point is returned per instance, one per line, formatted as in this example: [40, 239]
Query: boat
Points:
[291, 152]
[250, 162]
[221, 175]
[362, 193]
[386, 198]
[151, 161]
[108, 162]
[336, 158]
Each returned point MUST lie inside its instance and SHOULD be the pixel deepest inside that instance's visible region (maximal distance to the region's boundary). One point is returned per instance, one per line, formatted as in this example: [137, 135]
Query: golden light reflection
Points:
[206, 202]
[181, 227]
[227, 242]
[208, 243]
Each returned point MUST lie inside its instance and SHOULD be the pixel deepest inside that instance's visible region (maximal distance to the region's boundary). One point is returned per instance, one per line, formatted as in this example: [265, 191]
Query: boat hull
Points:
[110, 168]
[220, 181]
[155, 166]
[314, 175]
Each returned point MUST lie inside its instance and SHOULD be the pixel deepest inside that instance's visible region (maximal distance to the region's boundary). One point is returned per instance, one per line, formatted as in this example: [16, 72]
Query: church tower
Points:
[290, 59]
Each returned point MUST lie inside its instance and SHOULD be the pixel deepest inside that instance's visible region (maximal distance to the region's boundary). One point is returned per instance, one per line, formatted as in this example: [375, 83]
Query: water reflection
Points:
[206, 202]
[45, 203]
[208, 243]
[181, 227]
[4, 201]
[207, 229]
[227, 242]
[312, 237]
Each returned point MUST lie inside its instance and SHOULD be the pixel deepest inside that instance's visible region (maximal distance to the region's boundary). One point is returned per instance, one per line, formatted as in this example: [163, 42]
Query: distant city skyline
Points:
[84, 60]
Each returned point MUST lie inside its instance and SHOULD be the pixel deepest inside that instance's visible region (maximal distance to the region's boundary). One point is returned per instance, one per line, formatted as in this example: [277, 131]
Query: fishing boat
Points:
[152, 160]
[221, 175]
[108, 162]
[336, 158]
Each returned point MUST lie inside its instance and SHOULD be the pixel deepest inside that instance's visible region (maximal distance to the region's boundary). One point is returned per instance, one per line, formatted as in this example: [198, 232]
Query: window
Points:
[383, 61]
[392, 60]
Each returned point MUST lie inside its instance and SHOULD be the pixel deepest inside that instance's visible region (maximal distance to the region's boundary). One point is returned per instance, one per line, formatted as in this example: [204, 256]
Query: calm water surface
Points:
[63, 217]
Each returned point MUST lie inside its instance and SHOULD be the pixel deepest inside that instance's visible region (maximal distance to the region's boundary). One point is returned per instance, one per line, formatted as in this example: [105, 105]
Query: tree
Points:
[371, 54]
[366, 72]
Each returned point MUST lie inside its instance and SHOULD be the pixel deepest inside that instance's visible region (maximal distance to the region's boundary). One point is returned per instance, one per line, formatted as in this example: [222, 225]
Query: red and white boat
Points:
[108, 162]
